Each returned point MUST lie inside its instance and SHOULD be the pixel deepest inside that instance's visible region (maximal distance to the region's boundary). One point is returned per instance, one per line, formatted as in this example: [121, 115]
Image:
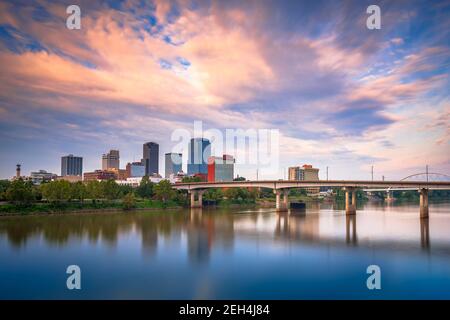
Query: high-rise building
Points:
[173, 162]
[150, 158]
[305, 173]
[199, 152]
[135, 170]
[71, 165]
[220, 169]
[111, 160]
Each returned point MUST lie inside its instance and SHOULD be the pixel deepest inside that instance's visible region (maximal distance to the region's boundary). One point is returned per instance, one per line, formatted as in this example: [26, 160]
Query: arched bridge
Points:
[283, 187]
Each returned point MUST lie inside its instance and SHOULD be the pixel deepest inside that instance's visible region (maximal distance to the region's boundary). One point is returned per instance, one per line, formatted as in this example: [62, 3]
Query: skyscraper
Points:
[71, 165]
[150, 158]
[221, 169]
[111, 160]
[199, 152]
[173, 163]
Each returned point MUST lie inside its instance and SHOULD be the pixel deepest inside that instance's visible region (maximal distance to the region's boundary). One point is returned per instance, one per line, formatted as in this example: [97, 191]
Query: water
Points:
[229, 254]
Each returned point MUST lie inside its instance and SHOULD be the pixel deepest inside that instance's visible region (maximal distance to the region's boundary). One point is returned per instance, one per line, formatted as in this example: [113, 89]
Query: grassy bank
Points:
[46, 207]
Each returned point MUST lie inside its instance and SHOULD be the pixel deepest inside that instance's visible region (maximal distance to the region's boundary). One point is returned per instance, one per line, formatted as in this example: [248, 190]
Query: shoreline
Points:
[82, 211]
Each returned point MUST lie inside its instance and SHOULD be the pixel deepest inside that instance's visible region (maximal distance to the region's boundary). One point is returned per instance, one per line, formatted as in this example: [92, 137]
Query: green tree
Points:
[20, 192]
[94, 190]
[145, 189]
[111, 189]
[129, 201]
[239, 179]
[57, 191]
[214, 194]
[78, 191]
[4, 184]
[191, 179]
[125, 189]
[163, 191]
[232, 193]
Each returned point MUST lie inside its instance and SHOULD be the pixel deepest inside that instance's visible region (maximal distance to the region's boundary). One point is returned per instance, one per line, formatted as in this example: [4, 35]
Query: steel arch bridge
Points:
[424, 176]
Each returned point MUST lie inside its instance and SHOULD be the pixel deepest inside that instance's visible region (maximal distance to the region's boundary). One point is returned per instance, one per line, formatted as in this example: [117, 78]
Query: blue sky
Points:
[341, 95]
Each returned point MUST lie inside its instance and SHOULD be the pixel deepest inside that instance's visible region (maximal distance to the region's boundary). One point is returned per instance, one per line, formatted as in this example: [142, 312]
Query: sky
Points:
[339, 94]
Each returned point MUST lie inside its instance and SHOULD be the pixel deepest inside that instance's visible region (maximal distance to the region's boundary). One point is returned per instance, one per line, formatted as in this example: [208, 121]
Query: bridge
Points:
[282, 187]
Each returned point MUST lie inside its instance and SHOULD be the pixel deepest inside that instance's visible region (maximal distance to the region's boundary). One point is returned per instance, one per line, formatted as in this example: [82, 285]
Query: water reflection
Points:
[425, 233]
[350, 224]
[203, 229]
[228, 253]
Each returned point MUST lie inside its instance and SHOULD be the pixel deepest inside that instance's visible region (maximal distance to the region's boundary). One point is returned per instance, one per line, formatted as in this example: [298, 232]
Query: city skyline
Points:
[342, 96]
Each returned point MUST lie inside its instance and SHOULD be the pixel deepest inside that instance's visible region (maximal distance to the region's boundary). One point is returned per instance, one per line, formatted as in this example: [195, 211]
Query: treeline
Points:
[62, 193]
[231, 195]
[413, 195]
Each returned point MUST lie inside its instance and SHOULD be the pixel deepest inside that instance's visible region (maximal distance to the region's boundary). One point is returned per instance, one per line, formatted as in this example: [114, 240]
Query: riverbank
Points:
[43, 208]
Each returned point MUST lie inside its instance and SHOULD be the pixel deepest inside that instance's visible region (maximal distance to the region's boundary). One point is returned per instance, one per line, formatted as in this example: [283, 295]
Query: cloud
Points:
[138, 69]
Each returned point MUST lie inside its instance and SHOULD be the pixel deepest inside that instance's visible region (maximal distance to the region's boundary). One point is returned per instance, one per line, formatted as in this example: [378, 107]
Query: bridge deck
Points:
[281, 184]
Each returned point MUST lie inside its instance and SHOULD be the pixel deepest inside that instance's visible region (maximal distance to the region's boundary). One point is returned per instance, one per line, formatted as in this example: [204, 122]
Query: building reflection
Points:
[205, 230]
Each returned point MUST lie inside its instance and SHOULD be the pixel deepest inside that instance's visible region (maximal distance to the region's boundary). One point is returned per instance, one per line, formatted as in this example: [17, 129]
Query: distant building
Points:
[70, 178]
[42, 176]
[111, 160]
[199, 152]
[120, 173]
[150, 158]
[173, 162]
[17, 171]
[176, 178]
[136, 181]
[135, 169]
[100, 175]
[71, 166]
[220, 169]
[305, 173]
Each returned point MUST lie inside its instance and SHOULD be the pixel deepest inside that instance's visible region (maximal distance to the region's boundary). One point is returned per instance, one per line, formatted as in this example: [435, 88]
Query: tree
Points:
[94, 190]
[20, 192]
[163, 191]
[214, 194]
[129, 201]
[145, 189]
[232, 193]
[56, 191]
[78, 190]
[4, 184]
[191, 179]
[239, 179]
[111, 189]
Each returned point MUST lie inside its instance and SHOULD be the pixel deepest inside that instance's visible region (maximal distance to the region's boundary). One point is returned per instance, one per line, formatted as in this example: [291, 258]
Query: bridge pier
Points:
[423, 203]
[350, 204]
[281, 206]
[199, 202]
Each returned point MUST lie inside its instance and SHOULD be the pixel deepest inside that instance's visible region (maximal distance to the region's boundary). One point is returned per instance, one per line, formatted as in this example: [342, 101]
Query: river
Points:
[243, 253]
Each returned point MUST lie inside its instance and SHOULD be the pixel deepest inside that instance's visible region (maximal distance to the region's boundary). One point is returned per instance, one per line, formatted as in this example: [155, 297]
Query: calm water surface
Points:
[229, 254]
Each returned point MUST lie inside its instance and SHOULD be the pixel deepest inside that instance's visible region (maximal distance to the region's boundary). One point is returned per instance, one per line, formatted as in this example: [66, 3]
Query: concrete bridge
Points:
[282, 187]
